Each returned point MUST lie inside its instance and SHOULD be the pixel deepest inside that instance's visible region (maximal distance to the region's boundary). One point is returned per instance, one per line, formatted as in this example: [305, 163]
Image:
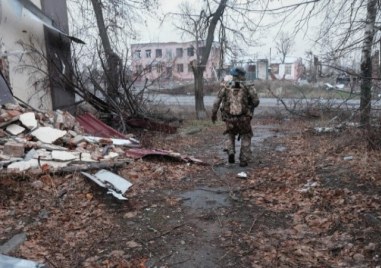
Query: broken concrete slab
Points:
[13, 244]
[21, 166]
[14, 129]
[48, 134]
[115, 184]
[29, 120]
[11, 262]
[63, 156]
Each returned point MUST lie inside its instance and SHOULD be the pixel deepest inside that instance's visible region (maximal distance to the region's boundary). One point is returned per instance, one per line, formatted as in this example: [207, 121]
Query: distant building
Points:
[172, 61]
[292, 69]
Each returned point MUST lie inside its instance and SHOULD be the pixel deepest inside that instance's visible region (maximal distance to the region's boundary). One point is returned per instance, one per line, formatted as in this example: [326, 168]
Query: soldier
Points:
[237, 102]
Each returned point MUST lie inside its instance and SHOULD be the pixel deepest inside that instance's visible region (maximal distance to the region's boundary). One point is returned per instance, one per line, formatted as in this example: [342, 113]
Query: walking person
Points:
[237, 101]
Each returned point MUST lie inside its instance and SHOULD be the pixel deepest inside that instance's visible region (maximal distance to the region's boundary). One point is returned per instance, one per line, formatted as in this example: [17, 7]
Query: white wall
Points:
[17, 24]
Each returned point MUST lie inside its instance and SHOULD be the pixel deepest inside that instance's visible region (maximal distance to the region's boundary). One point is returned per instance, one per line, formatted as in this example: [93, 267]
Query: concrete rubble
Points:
[51, 141]
[38, 142]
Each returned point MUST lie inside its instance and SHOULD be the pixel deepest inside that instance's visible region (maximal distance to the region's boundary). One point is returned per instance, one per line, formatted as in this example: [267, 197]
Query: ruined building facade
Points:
[41, 25]
[172, 61]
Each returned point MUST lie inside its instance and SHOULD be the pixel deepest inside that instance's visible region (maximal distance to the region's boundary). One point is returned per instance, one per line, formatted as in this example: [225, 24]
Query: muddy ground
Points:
[308, 201]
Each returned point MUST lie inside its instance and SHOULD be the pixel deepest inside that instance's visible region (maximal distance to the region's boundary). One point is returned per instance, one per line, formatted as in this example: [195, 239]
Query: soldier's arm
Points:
[217, 102]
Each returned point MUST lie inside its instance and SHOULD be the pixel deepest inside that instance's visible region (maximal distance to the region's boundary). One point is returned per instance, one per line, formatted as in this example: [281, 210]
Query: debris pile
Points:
[51, 142]
[39, 142]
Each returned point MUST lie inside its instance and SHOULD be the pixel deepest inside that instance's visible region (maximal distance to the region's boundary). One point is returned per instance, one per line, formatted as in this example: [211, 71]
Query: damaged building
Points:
[33, 42]
[172, 61]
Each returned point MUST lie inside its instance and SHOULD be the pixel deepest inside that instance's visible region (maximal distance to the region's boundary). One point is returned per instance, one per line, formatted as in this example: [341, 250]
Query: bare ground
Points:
[302, 205]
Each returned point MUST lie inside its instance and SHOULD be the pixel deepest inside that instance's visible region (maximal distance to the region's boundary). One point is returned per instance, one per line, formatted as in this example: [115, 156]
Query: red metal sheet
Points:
[95, 127]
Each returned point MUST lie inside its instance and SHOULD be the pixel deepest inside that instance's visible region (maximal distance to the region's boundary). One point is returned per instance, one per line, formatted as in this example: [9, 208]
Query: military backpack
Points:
[236, 100]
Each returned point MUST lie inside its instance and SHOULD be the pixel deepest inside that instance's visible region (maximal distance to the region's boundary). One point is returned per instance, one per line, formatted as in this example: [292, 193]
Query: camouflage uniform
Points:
[237, 124]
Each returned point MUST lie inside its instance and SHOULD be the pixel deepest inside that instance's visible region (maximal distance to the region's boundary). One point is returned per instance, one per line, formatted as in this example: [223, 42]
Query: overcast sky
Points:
[153, 31]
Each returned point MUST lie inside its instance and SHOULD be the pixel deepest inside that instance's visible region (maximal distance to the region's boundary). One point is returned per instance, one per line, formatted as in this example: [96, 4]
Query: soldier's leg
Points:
[231, 147]
[245, 152]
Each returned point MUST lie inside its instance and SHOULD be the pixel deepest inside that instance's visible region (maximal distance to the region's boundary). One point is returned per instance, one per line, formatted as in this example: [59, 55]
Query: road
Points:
[188, 100]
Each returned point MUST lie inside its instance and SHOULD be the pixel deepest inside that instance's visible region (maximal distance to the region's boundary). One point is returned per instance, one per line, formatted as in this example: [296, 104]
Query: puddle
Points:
[206, 198]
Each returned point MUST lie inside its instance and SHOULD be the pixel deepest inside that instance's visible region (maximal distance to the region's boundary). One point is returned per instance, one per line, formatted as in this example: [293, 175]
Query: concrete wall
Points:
[17, 24]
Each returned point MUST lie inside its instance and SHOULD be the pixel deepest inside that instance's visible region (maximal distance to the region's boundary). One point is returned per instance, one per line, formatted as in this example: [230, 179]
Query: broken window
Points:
[159, 68]
[159, 53]
[180, 68]
[139, 68]
[179, 52]
[148, 53]
[287, 70]
[169, 72]
[148, 68]
[137, 54]
[190, 51]
[168, 53]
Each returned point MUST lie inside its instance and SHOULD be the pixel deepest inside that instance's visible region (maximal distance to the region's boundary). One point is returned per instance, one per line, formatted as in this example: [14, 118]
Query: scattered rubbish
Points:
[347, 158]
[325, 130]
[11, 262]
[242, 175]
[328, 86]
[121, 142]
[14, 149]
[340, 86]
[115, 184]
[308, 186]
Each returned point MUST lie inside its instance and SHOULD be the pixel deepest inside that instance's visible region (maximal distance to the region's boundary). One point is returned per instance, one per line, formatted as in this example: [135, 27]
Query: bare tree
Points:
[284, 45]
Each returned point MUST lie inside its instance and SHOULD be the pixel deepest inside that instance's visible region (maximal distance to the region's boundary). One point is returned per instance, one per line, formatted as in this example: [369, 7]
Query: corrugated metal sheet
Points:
[95, 127]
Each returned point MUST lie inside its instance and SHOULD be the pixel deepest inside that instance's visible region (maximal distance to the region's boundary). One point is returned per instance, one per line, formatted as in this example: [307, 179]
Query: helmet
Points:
[237, 71]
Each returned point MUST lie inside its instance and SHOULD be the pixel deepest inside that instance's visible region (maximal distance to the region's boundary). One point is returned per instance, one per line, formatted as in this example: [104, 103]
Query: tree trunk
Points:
[366, 64]
[198, 73]
[199, 66]
[112, 59]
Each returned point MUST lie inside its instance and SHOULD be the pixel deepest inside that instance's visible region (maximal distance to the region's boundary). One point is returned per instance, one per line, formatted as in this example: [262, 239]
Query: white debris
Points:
[119, 142]
[14, 129]
[24, 165]
[110, 155]
[48, 134]
[115, 184]
[347, 158]
[308, 186]
[242, 175]
[29, 120]
[63, 156]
